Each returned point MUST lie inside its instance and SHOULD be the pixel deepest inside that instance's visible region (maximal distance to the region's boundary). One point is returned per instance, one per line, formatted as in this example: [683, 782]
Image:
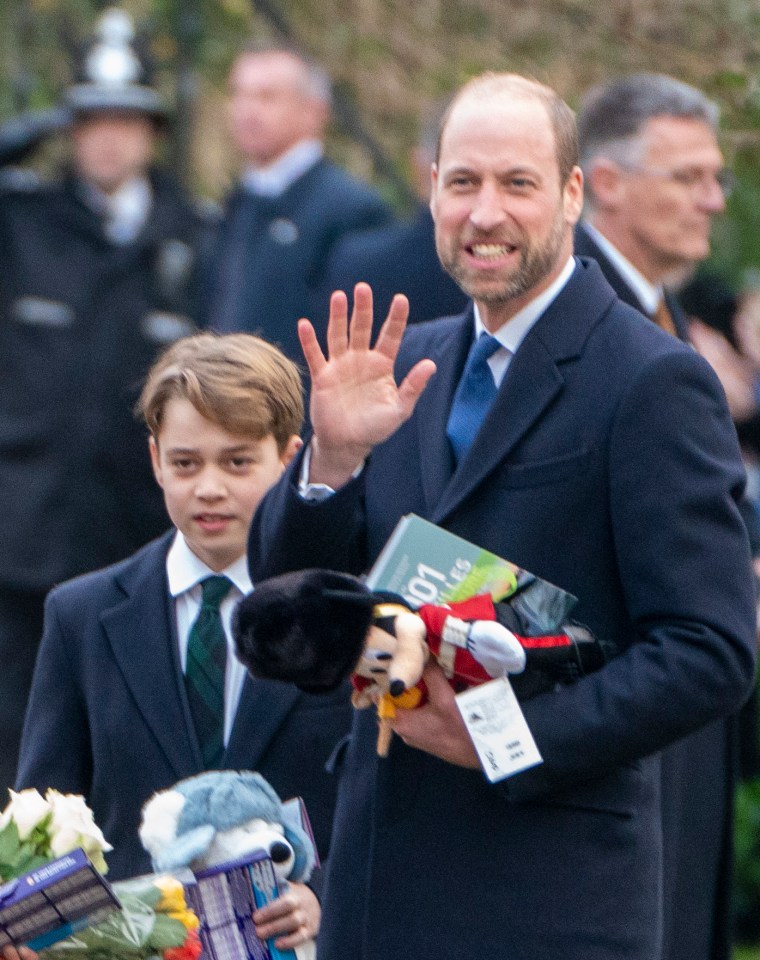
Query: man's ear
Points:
[572, 196]
[292, 447]
[605, 184]
[433, 187]
[155, 459]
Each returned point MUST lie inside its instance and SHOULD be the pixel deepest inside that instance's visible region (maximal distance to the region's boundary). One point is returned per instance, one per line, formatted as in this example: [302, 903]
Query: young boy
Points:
[117, 709]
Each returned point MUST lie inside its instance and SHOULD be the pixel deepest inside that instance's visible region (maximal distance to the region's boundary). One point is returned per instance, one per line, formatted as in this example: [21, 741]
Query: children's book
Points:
[224, 897]
[54, 901]
[424, 563]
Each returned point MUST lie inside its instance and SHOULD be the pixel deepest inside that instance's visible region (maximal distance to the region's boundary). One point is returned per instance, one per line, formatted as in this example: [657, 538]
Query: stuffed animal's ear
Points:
[307, 628]
[304, 851]
[185, 849]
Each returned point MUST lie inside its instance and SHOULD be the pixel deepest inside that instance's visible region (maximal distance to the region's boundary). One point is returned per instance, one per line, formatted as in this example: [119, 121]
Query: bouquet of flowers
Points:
[36, 829]
[154, 921]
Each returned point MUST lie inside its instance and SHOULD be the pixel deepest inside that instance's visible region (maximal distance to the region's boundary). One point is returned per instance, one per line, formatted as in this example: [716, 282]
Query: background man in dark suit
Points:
[401, 258]
[654, 181]
[114, 711]
[640, 524]
[99, 271]
[292, 203]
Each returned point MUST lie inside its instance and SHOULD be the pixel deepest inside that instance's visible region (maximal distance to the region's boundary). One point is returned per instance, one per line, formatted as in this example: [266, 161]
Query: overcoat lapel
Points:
[264, 704]
[142, 633]
[436, 458]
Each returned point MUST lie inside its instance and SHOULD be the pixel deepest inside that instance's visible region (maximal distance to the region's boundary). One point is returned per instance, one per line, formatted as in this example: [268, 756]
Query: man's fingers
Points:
[312, 351]
[392, 330]
[337, 325]
[360, 332]
[413, 384]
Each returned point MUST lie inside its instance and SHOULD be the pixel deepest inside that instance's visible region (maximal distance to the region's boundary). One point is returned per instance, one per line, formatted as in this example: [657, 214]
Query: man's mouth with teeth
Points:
[491, 251]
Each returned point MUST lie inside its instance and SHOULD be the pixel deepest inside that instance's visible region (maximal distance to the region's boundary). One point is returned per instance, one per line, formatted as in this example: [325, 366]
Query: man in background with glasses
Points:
[655, 179]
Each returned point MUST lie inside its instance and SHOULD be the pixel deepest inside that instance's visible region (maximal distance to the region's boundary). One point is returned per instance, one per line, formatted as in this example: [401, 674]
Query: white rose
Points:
[72, 825]
[27, 809]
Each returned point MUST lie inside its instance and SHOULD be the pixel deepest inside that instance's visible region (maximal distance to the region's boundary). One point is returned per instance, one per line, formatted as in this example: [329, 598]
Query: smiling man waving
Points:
[587, 446]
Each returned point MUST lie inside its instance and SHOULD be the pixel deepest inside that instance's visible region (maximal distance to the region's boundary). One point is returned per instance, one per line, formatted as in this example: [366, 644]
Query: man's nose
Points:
[713, 196]
[488, 208]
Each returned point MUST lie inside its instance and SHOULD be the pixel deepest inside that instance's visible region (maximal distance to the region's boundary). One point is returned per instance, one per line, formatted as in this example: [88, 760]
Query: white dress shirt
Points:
[185, 572]
[126, 210]
[512, 333]
[274, 179]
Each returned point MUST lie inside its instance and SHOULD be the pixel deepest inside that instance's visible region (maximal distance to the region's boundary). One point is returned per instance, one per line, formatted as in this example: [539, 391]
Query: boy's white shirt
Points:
[185, 572]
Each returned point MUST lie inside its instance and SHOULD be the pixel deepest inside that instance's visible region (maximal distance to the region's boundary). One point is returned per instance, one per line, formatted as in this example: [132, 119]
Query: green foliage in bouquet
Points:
[154, 921]
[17, 856]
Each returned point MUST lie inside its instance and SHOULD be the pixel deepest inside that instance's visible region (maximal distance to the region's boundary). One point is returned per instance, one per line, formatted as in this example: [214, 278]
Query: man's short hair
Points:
[612, 116]
[561, 117]
[316, 83]
[238, 381]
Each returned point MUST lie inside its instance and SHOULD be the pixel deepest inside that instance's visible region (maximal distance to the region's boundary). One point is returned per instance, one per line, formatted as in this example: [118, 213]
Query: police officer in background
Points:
[98, 272]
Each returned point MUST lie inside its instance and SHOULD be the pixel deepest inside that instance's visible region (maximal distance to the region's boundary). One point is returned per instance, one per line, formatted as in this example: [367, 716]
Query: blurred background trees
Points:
[391, 59]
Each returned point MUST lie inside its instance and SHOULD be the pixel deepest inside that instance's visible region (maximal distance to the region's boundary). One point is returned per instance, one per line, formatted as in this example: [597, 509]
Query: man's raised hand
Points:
[355, 402]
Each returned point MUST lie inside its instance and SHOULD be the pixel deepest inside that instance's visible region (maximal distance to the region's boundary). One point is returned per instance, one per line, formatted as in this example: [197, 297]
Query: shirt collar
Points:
[511, 334]
[125, 210]
[185, 570]
[647, 293]
[275, 178]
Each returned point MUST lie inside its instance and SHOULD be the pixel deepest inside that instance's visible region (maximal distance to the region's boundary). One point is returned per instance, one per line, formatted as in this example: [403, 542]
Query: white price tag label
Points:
[498, 729]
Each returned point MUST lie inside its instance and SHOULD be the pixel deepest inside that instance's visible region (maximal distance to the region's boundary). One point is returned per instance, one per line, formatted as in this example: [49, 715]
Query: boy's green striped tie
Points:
[204, 673]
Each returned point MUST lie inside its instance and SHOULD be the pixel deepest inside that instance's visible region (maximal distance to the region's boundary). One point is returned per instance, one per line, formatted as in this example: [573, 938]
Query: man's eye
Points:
[688, 178]
[241, 463]
[183, 466]
[521, 183]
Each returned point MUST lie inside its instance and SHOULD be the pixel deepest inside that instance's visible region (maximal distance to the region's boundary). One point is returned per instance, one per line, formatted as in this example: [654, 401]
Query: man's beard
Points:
[536, 262]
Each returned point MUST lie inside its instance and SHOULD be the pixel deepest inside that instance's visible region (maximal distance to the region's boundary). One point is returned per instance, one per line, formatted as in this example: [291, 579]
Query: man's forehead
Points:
[497, 127]
[267, 71]
[679, 135]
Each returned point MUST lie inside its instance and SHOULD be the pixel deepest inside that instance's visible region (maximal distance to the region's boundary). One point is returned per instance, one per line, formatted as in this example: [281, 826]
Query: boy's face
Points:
[213, 480]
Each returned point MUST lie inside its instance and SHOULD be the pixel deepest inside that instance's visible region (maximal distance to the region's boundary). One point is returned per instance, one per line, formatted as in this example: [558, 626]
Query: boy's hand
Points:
[17, 953]
[292, 918]
[355, 403]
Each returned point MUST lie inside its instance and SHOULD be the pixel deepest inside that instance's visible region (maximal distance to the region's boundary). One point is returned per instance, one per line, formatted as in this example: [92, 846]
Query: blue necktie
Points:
[204, 674]
[474, 395]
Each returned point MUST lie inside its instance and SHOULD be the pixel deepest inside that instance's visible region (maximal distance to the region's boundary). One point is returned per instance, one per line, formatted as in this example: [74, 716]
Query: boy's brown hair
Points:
[237, 380]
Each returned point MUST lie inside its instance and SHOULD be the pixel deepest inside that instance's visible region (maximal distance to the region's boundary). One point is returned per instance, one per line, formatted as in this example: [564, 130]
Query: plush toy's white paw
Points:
[495, 648]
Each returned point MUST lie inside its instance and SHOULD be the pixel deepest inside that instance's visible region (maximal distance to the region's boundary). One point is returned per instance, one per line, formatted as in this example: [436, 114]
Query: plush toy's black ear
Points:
[306, 627]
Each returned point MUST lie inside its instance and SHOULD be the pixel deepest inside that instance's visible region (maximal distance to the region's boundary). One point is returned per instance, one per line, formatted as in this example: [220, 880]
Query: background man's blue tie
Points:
[204, 673]
[474, 395]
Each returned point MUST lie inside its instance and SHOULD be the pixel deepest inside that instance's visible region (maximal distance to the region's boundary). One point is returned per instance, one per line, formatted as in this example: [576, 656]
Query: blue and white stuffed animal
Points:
[221, 816]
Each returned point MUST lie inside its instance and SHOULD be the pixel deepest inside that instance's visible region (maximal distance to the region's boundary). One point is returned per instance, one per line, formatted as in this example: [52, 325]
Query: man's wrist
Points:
[334, 468]
[316, 491]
